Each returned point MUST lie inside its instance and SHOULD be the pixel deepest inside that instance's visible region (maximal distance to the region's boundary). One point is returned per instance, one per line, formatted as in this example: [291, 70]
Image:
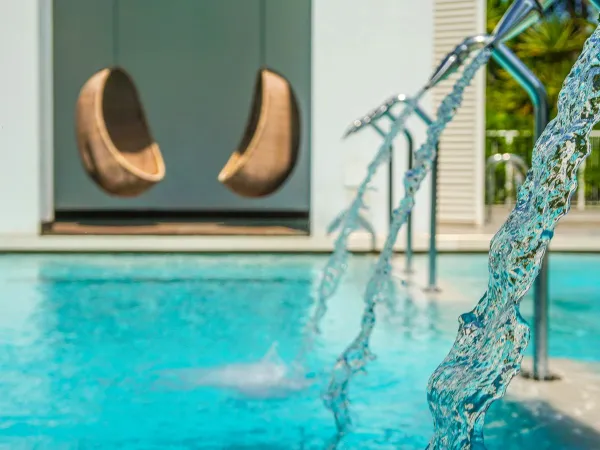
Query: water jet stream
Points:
[492, 338]
[337, 262]
[379, 287]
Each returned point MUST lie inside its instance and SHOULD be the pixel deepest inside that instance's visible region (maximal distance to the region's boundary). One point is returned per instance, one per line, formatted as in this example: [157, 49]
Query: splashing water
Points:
[347, 222]
[380, 286]
[492, 337]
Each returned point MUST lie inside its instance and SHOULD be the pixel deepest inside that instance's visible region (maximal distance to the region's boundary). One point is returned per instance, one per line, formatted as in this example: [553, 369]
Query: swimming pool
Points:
[82, 338]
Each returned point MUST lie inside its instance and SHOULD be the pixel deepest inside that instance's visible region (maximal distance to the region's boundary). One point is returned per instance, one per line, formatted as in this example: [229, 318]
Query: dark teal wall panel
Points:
[195, 63]
[288, 50]
[82, 44]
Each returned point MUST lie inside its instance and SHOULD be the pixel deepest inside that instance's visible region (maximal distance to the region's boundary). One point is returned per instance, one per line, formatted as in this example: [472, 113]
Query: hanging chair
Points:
[116, 147]
[269, 148]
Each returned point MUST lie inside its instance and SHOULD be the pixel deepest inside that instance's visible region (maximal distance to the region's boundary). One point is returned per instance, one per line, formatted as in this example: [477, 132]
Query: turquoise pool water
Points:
[82, 339]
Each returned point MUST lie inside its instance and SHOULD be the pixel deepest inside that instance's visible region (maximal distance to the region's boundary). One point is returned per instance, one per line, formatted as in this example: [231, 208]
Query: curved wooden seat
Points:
[268, 151]
[114, 140]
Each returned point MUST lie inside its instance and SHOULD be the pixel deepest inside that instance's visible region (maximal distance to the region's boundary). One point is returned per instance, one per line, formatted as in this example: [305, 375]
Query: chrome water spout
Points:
[384, 110]
[519, 16]
[519, 13]
[366, 120]
[455, 59]
[528, 21]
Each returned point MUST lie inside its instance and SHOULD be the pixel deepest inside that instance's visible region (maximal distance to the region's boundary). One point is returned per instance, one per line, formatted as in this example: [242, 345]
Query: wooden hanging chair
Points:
[114, 140]
[269, 148]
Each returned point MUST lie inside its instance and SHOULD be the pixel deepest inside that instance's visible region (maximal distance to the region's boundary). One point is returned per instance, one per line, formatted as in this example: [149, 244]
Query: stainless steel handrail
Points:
[371, 119]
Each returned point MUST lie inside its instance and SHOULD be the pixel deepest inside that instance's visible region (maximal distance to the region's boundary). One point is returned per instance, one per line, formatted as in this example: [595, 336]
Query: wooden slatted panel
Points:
[461, 157]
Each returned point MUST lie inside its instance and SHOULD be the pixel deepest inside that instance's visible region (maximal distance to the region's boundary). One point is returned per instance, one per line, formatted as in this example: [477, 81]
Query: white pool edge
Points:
[359, 242]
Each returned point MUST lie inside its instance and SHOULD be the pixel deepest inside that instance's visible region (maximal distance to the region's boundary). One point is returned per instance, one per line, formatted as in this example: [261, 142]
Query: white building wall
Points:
[20, 107]
[362, 53]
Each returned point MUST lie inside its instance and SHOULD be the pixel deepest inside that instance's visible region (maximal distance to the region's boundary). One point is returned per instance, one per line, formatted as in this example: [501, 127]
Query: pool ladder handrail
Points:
[371, 119]
[519, 16]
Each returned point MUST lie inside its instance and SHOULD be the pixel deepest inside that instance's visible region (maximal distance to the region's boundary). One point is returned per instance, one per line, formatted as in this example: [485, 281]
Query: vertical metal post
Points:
[509, 61]
[541, 370]
[432, 282]
[581, 188]
[410, 150]
[390, 173]
[391, 186]
[409, 225]
[491, 190]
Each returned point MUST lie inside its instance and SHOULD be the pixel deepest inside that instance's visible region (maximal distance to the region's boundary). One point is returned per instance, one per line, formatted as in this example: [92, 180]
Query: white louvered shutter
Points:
[462, 147]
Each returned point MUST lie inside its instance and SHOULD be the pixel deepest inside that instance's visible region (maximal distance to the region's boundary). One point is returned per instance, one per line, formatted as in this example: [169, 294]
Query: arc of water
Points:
[492, 338]
[357, 354]
[337, 262]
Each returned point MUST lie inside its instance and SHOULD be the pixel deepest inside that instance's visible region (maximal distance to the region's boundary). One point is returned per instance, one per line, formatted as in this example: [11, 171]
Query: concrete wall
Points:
[361, 53]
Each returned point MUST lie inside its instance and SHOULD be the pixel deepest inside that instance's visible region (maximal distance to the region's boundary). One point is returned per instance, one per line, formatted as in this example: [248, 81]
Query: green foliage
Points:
[550, 48]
